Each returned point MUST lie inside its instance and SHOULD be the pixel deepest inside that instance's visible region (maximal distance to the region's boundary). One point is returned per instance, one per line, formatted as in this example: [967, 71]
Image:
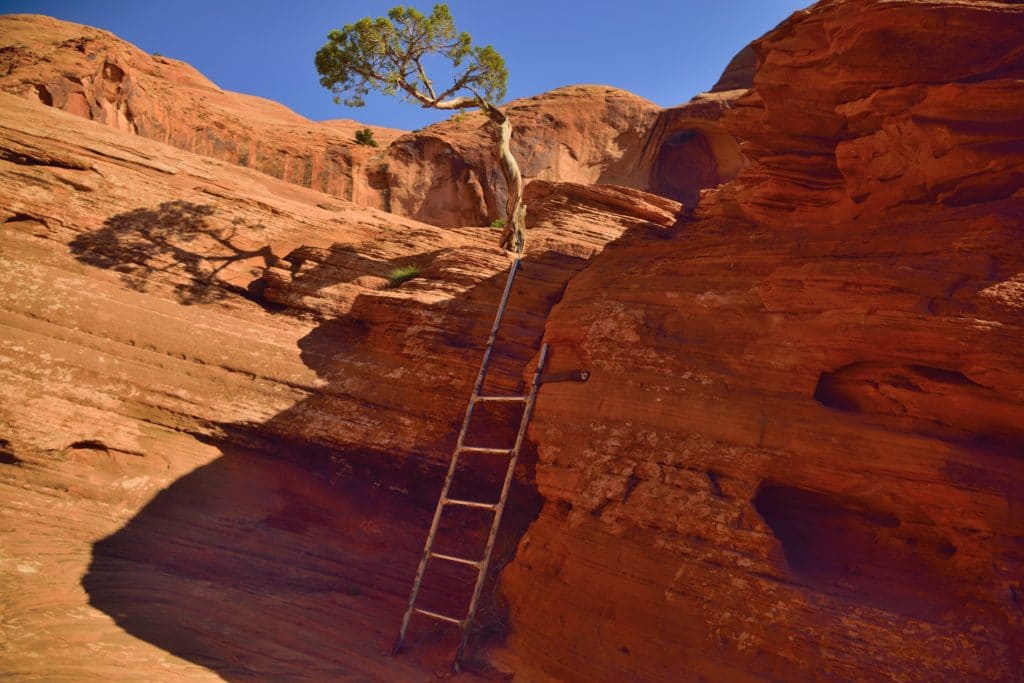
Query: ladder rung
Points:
[480, 449]
[442, 617]
[517, 399]
[457, 560]
[470, 503]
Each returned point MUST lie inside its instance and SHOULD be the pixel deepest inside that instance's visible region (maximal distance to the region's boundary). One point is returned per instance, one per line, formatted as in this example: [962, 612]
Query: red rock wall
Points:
[687, 149]
[799, 453]
[444, 175]
[94, 74]
[797, 457]
[447, 174]
[221, 432]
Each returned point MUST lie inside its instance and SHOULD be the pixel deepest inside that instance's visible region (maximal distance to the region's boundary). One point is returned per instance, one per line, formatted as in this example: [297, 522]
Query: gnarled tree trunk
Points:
[513, 237]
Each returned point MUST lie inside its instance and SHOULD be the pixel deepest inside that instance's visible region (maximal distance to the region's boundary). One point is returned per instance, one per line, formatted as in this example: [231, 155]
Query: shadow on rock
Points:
[262, 567]
[178, 238]
[284, 559]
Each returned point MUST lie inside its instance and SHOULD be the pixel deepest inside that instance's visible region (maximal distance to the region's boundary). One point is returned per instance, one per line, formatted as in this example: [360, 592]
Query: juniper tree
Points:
[387, 55]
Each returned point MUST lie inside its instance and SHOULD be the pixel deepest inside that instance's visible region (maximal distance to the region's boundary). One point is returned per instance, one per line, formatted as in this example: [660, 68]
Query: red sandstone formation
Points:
[799, 453]
[137, 368]
[197, 375]
[687, 150]
[797, 456]
[445, 174]
[96, 75]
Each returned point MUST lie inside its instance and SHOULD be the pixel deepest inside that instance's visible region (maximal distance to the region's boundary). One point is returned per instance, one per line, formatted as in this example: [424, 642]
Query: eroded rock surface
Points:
[136, 367]
[445, 174]
[96, 75]
[687, 149]
[217, 415]
[799, 453]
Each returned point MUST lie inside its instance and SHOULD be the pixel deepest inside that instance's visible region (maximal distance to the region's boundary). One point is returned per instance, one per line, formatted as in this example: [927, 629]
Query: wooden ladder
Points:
[496, 508]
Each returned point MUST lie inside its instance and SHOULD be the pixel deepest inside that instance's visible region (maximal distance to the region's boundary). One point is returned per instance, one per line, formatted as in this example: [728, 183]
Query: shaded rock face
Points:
[799, 453]
[687, 149]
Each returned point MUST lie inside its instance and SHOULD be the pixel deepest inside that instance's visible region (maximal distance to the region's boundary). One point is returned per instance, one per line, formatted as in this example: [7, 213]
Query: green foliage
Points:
[386, 55]
[364, 136]
[498, 223]
[401, 274]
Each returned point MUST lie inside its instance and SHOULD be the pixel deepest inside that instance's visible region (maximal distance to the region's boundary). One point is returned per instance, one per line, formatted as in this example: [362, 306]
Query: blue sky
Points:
[664, 50]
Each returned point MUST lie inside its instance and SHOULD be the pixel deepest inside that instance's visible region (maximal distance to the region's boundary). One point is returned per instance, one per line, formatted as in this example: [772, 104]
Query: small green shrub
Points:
[498, 223]
[399, 275]
[364, 136]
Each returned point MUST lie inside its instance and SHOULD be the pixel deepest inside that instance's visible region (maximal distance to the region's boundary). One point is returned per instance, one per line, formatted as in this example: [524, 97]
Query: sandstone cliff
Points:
[797, 457]
[445, 174]
[214, 402]
[799, 453]
[94, 74]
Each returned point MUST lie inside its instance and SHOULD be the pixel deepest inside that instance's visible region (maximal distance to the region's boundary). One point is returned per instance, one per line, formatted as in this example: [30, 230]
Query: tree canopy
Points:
[386, 54]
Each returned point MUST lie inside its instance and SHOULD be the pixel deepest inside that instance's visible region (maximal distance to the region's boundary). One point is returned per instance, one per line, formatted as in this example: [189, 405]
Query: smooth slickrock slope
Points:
[96, 75]
[445, 174]
[127, 366]
[799, 455]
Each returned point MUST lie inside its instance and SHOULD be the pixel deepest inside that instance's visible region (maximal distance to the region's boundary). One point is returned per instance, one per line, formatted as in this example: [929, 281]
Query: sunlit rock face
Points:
[445, 175]
[96, 75]
[799, 453]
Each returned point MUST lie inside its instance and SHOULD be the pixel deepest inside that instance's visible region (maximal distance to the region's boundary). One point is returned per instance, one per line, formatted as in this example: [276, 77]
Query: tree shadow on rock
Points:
[179, 239]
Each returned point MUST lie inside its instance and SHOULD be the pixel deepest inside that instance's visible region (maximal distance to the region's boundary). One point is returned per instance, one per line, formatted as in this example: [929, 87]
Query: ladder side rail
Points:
[455, 458]
[429, 543]
[500, 508]
[494, 333]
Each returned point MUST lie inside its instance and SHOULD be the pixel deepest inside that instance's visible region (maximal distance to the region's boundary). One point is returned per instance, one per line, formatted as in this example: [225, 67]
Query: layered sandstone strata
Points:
[445, 174]
[799, 453]
[223, 430]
